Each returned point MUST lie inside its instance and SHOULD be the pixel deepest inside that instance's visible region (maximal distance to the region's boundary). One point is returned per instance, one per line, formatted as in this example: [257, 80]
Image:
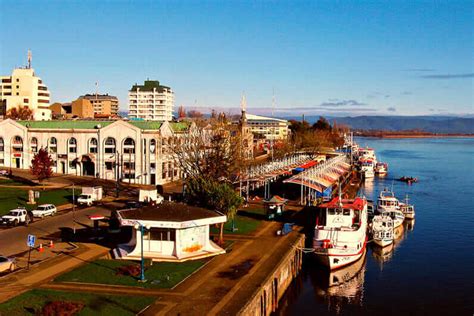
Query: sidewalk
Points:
[23, 280]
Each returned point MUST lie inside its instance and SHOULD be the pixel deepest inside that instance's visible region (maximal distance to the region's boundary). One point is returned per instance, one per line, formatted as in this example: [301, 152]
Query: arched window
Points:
[152, 146]
[93, 146]
[53, 145]
[17, 144]
[34, 144]
[72, 145]
[109, 145]
[129, 146]
[2, 145]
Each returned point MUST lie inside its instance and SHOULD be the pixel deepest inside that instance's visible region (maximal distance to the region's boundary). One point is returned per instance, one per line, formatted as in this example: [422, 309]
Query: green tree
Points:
[211, 194]
[41, 165]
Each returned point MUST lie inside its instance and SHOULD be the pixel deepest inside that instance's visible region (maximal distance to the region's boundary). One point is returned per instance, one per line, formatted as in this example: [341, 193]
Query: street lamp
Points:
[142, 228]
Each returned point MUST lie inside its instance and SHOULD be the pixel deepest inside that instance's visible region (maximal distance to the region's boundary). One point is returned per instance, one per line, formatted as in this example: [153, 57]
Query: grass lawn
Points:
[244, 224]
[11, 198]
[6, 181]
[159, 275]
[31, 303]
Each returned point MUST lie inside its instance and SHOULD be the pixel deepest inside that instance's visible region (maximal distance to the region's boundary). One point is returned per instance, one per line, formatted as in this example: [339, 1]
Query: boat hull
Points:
[383, 242]
[334, 260]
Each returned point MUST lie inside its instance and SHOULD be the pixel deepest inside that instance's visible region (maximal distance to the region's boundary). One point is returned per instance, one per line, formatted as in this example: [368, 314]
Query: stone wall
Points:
[265, 299]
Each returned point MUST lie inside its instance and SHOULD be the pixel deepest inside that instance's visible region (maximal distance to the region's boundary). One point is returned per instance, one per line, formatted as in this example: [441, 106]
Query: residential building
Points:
[268, 127]
[151, 101]
[24, 89]
[135, 151]
[80, 108]
[103, 104]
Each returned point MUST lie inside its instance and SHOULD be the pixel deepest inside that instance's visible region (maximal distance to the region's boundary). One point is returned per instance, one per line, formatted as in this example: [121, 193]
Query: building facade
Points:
[134, 152]
[267, 127]
[151, 102]
[80, 108]
[24, 89]
[103, 104]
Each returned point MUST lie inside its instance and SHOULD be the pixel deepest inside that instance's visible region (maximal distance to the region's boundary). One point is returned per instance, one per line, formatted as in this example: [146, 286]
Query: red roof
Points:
[309, 164]
[356, 204]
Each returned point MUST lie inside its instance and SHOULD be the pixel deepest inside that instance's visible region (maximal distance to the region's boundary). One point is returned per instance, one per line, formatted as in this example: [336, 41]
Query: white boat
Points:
[367, 153]
[381, 168]
[382, 230]
[407, 209]
[340, 238]
[389, 205]
[367, 168]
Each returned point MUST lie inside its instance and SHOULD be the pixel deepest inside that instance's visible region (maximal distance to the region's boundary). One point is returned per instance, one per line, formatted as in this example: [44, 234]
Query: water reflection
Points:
[340, 287]
[382, 254]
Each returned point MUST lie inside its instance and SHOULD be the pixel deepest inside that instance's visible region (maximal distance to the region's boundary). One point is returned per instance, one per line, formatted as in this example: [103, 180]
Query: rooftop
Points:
[98, 96]
[253, 117]
[356, 204]
[168, 212]
[93, 124]
[149, 85]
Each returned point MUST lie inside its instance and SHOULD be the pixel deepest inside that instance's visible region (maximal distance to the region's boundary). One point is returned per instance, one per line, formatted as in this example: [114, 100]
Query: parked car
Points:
[3, 172]
[45, 210]
[17, 216]
[7, 264]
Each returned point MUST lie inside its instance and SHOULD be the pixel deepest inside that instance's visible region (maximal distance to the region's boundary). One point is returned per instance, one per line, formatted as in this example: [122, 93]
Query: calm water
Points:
[430, 269]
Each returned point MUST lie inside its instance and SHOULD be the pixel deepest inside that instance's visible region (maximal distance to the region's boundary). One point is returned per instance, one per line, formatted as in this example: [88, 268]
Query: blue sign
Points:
[31, 241]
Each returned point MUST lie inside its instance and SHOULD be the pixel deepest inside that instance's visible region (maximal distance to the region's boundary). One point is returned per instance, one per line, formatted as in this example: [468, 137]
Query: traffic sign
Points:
[31, 241]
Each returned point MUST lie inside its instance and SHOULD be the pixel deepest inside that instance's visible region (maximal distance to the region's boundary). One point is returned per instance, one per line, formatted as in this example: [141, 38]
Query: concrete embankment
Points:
[268, 292]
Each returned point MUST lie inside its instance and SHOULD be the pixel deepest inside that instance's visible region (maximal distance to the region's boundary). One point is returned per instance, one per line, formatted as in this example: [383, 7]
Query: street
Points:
[13, 240]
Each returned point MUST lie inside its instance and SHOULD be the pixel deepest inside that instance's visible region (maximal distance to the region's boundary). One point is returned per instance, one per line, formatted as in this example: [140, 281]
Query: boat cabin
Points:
[343, 213]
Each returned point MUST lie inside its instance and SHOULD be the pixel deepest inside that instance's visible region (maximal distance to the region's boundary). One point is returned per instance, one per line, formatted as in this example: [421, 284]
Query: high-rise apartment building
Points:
[24, 89]
[151, 101]
[103, 104]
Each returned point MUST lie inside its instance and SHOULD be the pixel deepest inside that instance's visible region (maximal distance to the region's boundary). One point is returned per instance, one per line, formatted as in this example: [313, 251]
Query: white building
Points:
[135, 152]
[172, 232]
[151, 101]
[268, 127]
[24, 89]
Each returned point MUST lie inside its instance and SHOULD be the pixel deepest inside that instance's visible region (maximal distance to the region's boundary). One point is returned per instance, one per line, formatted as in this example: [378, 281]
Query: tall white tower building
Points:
[151, 101]
[24, 89]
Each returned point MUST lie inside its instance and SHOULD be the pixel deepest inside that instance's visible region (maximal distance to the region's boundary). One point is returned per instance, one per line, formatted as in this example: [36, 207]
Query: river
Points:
[430, 268]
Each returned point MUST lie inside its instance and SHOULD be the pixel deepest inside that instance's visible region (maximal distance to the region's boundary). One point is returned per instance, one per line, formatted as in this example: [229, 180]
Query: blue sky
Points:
[320, 57]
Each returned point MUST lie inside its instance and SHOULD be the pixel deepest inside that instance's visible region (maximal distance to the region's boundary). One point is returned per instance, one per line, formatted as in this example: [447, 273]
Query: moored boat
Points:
[407, 209]
[367, 168]
[381, 168]
[340, 238]
[382, 230]
[388, 204]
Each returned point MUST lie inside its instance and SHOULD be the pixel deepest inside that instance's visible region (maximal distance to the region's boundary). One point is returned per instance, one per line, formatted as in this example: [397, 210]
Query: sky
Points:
[314, 57]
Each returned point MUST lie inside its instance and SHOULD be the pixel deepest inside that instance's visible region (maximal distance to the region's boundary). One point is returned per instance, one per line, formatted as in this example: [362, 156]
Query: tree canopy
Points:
[41, 165]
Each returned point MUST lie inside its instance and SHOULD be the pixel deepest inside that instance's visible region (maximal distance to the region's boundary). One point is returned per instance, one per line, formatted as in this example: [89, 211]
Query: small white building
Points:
[172, 232]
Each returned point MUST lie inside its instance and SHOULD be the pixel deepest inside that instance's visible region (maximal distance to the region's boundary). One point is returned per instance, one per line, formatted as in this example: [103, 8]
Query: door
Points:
[17, 162]
[152, 179]
[63, 167]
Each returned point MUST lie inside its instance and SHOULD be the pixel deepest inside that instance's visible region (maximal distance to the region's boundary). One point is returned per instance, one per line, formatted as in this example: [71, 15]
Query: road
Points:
[13, 240]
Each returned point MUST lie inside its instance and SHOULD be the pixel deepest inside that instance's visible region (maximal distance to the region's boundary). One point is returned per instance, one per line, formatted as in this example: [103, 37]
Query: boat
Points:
[367, 168]
[381, 168]
[408, 180]
[407, 209]
[340, 238]
[382, 230]
[388, 204]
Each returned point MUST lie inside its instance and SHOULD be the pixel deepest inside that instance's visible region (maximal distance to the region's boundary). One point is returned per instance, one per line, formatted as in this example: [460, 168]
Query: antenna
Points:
[30, 57]
[273, 103]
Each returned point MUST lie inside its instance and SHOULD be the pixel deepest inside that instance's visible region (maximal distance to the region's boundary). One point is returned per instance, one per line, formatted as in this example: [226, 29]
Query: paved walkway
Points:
[23, 280]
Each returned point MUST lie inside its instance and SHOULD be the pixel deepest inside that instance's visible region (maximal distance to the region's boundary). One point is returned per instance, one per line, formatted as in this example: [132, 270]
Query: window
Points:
[34, 145]
[93, 146]
[163, 169]
[109, 145]
[129, 146]
[152, 146]
[17, 144]
[25, 100]
[109, 165]
[53, 145]
[72, 164]
[2, 145]
[72, 144]
[161, 234]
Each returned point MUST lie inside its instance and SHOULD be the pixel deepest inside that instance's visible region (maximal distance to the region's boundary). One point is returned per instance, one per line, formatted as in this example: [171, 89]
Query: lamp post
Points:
[142, 264]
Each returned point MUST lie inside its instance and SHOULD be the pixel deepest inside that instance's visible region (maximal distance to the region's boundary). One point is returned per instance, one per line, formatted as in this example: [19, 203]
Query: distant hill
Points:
[432, 124]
